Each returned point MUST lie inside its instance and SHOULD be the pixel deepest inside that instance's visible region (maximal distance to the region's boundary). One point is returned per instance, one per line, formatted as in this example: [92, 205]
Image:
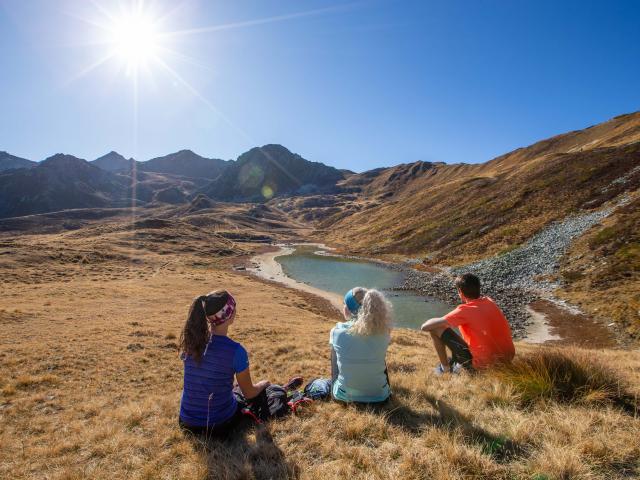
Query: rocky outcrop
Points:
[172, 195]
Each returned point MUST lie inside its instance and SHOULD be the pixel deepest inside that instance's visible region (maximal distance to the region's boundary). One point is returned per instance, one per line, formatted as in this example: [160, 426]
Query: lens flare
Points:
[267, 192]
[251, 175]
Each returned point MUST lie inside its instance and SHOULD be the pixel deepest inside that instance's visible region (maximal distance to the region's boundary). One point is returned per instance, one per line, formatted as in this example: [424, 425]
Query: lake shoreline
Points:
[268, 268]
[264, 265]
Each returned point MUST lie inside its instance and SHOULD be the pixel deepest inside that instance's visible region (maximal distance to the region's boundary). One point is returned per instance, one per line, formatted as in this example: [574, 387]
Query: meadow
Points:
[90, 382]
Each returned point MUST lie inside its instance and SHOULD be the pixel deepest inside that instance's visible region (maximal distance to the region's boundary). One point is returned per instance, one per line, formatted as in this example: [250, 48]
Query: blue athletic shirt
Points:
[361, 365]
[207, 396]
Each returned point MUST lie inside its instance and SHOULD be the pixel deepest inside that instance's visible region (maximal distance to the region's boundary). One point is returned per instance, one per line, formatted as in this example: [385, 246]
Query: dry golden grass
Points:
[601, 272]
[90, 383]
[566, 375]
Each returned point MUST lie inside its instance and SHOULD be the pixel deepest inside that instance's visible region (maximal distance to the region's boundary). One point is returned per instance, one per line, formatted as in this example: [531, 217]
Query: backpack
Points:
[318, 389]
[271, 402]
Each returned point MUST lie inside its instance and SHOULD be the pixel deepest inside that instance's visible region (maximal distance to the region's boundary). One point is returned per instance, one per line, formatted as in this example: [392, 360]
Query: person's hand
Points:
[262, 384]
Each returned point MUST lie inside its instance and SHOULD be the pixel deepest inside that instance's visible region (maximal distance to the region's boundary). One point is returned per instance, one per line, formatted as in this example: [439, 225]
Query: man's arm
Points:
[434, 324]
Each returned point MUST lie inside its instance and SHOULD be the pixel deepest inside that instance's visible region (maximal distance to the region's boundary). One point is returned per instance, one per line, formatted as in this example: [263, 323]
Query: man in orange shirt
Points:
[486, 336]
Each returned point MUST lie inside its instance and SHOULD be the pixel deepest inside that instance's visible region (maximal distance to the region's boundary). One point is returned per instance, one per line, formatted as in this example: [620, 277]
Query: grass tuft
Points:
[25, 382]
[566, 377]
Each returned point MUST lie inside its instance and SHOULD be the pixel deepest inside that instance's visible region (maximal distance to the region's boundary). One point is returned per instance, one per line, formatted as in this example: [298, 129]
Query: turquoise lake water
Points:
[338, 275]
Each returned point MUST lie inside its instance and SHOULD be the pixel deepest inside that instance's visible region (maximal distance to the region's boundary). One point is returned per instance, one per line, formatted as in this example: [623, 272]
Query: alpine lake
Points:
[319, 268]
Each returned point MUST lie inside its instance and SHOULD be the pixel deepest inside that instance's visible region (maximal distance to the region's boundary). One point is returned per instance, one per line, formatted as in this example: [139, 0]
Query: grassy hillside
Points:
[602, 271]
[457, 213]
[90, 379]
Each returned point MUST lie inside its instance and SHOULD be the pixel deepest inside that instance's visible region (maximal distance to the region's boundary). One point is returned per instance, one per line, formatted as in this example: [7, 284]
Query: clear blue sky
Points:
[354, 85]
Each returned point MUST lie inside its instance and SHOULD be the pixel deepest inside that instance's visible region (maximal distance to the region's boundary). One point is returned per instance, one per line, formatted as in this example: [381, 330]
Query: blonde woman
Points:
[359, 348]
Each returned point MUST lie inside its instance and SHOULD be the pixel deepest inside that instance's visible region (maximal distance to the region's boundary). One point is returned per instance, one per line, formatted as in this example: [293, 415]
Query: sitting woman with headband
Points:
[359, 348]
[211, 360]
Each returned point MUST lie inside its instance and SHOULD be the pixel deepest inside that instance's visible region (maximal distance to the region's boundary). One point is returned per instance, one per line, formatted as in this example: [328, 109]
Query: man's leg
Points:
[460, 352]
[440, 347]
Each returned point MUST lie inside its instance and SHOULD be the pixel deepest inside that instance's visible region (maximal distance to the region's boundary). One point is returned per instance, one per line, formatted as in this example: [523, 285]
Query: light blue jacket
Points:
[361, 365]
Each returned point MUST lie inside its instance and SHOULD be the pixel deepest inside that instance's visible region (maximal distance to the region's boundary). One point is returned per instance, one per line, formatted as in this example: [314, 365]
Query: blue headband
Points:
[351, 302]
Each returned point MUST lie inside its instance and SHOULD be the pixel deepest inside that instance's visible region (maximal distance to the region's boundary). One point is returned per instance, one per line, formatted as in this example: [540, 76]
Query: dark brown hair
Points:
[469, 285]
[195, 334]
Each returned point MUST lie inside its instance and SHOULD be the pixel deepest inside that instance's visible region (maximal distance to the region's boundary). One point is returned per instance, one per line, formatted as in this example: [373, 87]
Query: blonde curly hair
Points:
[375, 315]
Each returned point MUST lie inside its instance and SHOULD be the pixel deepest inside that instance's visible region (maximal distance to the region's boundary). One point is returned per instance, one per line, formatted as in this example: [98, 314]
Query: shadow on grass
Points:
[239, 456]
[447, 418]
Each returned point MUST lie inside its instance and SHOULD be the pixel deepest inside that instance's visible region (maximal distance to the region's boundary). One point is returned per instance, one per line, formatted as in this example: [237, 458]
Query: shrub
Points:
[605, 235]
[630, 253]
[569, 377]
[571, 276]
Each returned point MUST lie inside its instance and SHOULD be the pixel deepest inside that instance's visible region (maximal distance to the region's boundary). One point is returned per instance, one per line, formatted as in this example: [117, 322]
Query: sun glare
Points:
[135, 40]
[139, 38]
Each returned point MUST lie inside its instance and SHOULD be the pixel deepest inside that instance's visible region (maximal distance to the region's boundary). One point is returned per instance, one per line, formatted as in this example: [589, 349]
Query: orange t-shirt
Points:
[485, 329]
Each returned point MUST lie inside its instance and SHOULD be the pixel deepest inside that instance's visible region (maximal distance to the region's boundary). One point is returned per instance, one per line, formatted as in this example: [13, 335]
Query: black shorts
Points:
[220, 430]
[460, 352]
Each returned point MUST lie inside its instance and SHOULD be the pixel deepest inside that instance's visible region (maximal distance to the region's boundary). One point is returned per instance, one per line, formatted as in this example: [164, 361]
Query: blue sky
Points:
[355, 85]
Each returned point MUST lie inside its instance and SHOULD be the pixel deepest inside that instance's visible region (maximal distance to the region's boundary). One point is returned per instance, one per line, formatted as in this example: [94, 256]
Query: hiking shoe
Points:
[439, 370]
[456, 368]
[293, 384]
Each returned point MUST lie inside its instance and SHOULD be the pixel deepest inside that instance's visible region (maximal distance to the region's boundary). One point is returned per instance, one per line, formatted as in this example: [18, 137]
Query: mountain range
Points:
[476, 205]
[184, 163]
[58, 183]
[28, 187]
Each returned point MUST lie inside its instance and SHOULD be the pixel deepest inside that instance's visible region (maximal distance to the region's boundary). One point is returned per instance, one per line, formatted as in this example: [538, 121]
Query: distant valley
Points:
[433, 213]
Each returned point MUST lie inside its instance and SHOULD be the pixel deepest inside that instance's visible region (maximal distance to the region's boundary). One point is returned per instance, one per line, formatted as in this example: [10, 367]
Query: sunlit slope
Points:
[607, 261]
[461, 212]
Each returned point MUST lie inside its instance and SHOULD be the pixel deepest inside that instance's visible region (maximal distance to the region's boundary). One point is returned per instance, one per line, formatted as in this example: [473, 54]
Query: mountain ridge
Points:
[461, 199]
[57, 183]
[113, 162]
[11, 162]
[270, 171]
[185, 163]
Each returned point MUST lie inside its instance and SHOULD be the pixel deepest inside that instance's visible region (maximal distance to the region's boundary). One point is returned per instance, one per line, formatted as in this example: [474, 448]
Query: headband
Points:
[222, 315]
[350, 301]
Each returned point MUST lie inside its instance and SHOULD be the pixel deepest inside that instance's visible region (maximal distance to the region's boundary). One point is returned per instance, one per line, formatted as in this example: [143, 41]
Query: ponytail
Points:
[375, 315]
[195, 334]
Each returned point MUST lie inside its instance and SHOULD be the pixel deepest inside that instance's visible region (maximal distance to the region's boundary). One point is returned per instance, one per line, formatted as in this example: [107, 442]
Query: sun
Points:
[135, 40]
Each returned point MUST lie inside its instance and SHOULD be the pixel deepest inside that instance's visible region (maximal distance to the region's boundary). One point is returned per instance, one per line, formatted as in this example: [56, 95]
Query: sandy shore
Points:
[539, 331]
[270, 269]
